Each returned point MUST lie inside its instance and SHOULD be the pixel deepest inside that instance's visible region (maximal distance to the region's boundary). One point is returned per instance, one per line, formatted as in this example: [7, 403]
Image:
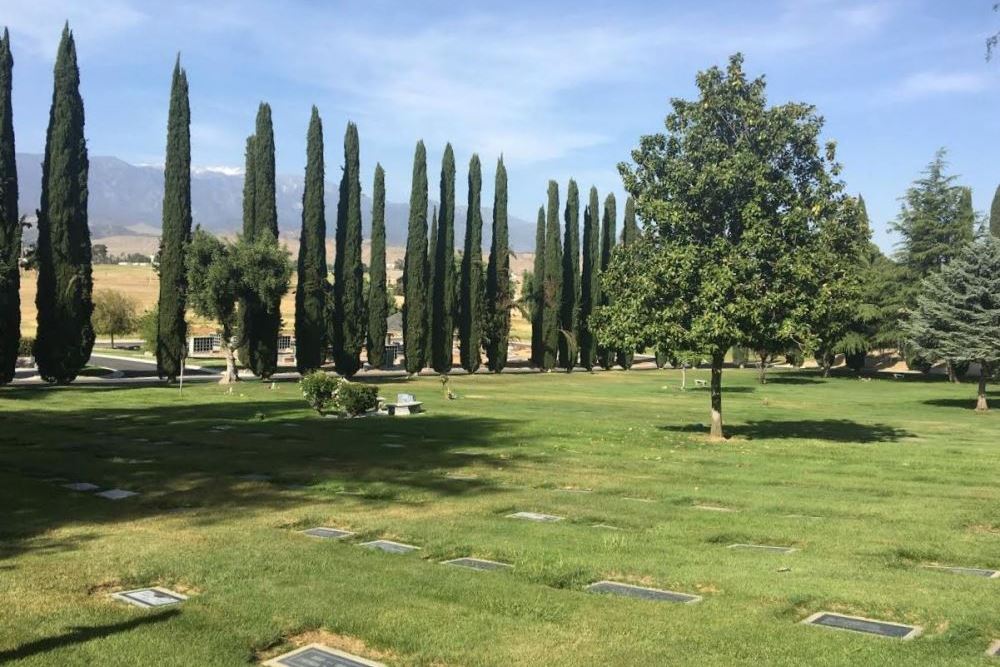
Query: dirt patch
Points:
[332, 639]
[984, 529]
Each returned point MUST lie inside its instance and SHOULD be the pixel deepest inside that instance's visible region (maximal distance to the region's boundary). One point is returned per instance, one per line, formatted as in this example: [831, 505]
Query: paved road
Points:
[133, 368]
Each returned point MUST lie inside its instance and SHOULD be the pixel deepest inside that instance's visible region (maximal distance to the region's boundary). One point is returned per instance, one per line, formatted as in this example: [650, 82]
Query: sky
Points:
[562, 89]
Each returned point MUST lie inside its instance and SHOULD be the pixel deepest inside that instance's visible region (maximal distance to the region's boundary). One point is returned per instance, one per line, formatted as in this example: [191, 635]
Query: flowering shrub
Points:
[326, 393]
[319, 390]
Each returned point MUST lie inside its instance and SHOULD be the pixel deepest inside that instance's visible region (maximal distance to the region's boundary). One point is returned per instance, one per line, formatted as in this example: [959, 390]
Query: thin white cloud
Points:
[40, 21]
[930, 83]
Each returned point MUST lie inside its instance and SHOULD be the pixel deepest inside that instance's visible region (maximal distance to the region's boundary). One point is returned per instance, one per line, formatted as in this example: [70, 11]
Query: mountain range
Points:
[125, 200]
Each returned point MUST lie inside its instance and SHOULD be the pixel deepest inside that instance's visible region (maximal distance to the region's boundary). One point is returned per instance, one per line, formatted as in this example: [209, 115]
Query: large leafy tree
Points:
[552, 281]
[378, 306]
[570, 307]
[733, 197]
[348, 271]
[311, 293]
[499, 299]
[10, 224]
[590, 285]
[223, 275]
[957, 314]
[605, 354]
[415, 268]
[471, 293]
[171, 330]
[537, 288]
[65, 283]
[443, 268]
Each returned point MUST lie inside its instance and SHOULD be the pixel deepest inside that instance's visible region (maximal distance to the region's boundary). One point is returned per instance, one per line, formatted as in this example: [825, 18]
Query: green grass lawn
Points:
[868, 480]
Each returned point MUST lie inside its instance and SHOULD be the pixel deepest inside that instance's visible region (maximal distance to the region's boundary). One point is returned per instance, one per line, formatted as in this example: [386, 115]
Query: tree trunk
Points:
[952, 377]
[112, 341]
[230, 375]
[762, 369]
[683, 377]
[716, 432]
[981, 405]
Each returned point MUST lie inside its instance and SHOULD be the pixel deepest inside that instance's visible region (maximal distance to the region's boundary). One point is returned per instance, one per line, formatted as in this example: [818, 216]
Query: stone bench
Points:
[405, 404]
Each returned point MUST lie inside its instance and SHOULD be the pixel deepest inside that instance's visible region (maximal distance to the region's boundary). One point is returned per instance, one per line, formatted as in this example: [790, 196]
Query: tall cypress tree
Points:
[246, 305]
[10, 224]
[995, 213]
[65, 284]
[443, 281]
[605, 356]
[431, 277]
[471, 297]
[590, 286]
[264, 319]
[378, 307]
[552, 282]
[311, 291]
[630, 232]
[348, 276]
[538, 292]
[415, 267]
[498, 296]
[171, 330]
[569, 340]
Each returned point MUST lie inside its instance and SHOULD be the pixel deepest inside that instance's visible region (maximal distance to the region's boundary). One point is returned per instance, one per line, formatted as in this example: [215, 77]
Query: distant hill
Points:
[125, 200]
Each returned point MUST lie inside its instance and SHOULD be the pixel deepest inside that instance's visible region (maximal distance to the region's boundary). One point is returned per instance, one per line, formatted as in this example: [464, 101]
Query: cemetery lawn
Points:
[870, 481]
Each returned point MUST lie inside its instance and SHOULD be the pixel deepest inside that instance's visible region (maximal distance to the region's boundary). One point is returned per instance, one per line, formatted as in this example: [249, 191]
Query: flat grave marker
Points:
[389, 546]
[606, 526]
[764, 547]
[969, 571]
[318, 655]
[116, 494]
[393, 445]
[150, 597]
[571, 489]
[81, 486]
[327, 533]
[480, 564]
[637, 500]
[864, 625]
[535, 516]
[642, 592]
[462, 477]
[713, 508]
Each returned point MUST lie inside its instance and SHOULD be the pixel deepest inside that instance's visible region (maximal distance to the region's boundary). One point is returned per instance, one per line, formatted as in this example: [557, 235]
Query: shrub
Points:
[356, 398]
[319, 390]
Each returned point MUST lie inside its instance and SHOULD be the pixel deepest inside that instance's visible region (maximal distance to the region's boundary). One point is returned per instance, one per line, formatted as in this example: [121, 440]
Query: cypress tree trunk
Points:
[415, 269]
[264, 318]
[246, 306]
[716, 430]
[590, 285]
[348, 280]
[553, 280]
[443, 281]
[471, 298]
[498, 295]
[538, 289]
[570, 307]
[378, 307]
[171, 330]
[65, 284]
[311, 291]
[10, 224]
[661, 358]
[606, 356]
[630, 232]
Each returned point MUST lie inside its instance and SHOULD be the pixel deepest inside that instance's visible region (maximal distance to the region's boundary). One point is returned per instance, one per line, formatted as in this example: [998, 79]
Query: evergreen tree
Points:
[171, 330]
[312, 289]
[552, 289]
[431, 277]
[569, 340]
[957, 316]
[348, 276]
[378, 307]
[995, 213]
[443, 280]
[10, 223]
[630, 232]
[471, 298]
[415, 268]
[244, 313]
[498, 286]
[263, 319]
[65, 284]
[605, 356]
[538, 291]
[590, 284]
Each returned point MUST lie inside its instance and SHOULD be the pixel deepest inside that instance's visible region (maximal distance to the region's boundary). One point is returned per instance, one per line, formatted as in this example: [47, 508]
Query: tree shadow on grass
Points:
[219, 456]
[80, 634]
[831, 430]
[992, 399]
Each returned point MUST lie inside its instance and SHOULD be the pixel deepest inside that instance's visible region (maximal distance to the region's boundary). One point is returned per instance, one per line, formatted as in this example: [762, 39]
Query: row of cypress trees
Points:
[565, 284]
[478, 306]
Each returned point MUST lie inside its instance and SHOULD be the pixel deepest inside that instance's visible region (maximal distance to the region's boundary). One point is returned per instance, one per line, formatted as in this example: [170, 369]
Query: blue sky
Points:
[562, 89]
